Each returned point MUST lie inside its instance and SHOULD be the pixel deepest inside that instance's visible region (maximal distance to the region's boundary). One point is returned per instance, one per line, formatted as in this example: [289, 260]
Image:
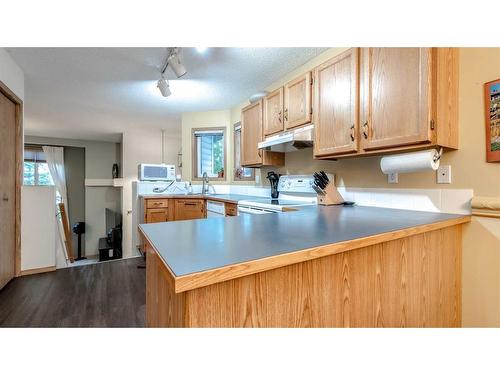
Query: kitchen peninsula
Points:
[316, 267]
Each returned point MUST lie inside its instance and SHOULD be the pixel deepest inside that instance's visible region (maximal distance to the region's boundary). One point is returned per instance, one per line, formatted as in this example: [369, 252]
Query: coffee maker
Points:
[273, 178]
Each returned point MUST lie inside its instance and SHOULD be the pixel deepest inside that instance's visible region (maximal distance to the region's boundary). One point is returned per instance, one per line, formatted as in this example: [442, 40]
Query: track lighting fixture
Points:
[164, 87]
[174, 61]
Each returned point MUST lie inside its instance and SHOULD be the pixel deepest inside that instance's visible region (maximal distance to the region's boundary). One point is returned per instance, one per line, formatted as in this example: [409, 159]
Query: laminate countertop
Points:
[234, 245]
[231, 198]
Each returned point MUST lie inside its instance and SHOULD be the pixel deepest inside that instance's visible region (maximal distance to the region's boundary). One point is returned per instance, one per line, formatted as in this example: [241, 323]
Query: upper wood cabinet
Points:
[408, 100]
[336, 105]
[251, 134]
[396, 90]
[273, 112]
[297, 101]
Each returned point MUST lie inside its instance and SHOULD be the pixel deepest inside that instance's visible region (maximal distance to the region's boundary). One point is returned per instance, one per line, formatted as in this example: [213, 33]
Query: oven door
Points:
[247, 210]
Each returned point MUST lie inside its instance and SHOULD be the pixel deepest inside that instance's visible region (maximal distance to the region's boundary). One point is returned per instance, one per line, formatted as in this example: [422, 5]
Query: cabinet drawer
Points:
[189, 209]
[156, 203]
[231, 209]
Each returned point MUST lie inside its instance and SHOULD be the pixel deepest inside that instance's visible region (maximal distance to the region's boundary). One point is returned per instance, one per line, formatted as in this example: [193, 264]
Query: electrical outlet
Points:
[444, 174]
[392, 178]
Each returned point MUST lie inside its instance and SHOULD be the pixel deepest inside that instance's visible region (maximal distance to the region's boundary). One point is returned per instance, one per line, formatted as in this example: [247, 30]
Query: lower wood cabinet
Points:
[231, 209]
[189, 209]
[156, 215]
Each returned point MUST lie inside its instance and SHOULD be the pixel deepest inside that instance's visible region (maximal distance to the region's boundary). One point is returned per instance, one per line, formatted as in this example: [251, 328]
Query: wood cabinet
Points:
[156, 215]
[189, 209]
[396, 97]
[156, 210]
[273, 112]
[251, 135]
[297, 101]
[231, 209]
[289, 106]
[336, 105]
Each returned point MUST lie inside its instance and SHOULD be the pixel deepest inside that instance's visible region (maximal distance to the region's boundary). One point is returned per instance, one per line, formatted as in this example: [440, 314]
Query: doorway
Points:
[11, 157]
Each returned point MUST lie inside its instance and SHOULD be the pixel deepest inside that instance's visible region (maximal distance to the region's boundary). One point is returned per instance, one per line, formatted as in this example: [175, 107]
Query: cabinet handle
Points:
[365, 130]
[286, 114]
[352, 132]
[190, 204]
[279, 116]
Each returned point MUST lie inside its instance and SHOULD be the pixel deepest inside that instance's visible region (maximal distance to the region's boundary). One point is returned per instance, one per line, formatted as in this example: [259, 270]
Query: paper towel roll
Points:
[410, 162]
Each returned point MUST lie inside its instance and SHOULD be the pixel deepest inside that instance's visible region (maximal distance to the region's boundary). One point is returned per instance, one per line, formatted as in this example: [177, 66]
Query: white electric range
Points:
[295, 191]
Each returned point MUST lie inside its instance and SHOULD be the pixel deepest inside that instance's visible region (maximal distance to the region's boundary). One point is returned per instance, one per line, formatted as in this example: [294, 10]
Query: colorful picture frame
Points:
[492, 120]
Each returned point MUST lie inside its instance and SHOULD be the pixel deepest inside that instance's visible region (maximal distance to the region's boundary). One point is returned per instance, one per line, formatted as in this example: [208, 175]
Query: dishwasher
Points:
[215, 209]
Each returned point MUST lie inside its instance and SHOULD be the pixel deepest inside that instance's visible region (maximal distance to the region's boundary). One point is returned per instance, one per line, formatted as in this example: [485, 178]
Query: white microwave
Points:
[156, 172]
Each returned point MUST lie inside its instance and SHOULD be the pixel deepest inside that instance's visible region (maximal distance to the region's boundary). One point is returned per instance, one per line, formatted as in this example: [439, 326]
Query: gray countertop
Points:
[200, 245]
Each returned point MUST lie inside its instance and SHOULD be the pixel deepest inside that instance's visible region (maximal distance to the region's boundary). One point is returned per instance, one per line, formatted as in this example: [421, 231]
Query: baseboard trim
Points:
[33, 271]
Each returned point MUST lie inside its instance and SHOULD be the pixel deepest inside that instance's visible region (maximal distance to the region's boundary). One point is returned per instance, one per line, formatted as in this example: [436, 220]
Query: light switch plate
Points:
[392, 178]
[444, 174]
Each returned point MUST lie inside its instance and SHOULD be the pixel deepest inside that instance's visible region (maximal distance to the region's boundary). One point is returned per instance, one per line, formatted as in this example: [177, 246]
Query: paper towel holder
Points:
[438, 156]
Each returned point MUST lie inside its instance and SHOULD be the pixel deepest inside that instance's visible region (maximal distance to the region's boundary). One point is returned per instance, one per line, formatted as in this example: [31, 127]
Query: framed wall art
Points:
[492, 118]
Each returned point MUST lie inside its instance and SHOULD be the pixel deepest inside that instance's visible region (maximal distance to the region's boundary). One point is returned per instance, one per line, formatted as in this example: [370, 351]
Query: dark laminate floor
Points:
[110, 294]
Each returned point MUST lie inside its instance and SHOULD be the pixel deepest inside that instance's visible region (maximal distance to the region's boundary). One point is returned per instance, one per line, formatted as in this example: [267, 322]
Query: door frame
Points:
[4, 89]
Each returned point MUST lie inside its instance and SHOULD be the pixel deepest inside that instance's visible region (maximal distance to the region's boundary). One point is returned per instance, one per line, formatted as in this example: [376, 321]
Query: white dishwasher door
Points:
[215, 209]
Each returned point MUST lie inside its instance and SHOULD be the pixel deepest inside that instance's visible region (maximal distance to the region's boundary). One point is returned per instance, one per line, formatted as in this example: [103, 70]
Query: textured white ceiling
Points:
[97, 93]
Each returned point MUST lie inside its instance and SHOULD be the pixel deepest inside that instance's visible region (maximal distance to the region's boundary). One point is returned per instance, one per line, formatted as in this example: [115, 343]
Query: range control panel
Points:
[298, 183]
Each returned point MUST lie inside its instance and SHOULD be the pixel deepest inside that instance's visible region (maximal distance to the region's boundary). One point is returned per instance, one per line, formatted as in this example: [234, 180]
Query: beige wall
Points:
[193, 120]
[143, 145]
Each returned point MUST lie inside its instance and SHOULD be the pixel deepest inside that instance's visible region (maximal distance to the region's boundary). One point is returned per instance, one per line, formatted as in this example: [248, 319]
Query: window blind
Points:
[34, 153]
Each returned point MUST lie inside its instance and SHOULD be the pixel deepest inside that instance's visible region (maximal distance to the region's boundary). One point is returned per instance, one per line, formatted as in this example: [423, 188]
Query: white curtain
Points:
[55, 162]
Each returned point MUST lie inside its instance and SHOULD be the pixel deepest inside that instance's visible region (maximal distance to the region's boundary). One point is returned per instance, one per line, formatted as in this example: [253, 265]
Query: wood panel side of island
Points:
[413, 281]
[164, 307]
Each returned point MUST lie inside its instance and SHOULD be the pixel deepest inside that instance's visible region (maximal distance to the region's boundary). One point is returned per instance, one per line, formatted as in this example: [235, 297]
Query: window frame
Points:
[36, 162]
[194, 153]
[252, 177]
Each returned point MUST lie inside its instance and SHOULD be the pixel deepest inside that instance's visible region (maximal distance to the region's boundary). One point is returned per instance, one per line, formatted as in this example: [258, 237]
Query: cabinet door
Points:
[336, 104]
[297, 109]
[251, 134]
[189, 209]
[273, 112]
[156, 215]
[396, 86]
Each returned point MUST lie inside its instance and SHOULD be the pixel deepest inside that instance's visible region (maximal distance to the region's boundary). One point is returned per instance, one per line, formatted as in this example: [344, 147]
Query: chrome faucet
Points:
[205, 188]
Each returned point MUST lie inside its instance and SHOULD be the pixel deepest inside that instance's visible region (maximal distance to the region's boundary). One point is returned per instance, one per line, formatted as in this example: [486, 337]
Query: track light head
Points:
[164, 87]
[174, 61]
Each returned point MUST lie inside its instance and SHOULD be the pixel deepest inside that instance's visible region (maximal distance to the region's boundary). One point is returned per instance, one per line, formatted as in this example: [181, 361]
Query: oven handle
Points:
[255, 211]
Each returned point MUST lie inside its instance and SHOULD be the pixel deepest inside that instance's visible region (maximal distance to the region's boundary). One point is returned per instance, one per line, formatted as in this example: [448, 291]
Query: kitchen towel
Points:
[410, 162]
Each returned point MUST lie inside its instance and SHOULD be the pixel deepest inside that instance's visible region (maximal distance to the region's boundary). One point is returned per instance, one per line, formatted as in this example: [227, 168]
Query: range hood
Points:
[291, 140]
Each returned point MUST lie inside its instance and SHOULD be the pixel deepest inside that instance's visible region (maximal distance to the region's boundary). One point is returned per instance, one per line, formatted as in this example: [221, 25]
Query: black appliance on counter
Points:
[273, 178]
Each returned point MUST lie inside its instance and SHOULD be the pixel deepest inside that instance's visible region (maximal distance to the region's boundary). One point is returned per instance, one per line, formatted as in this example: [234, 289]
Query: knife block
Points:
[331, 196]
